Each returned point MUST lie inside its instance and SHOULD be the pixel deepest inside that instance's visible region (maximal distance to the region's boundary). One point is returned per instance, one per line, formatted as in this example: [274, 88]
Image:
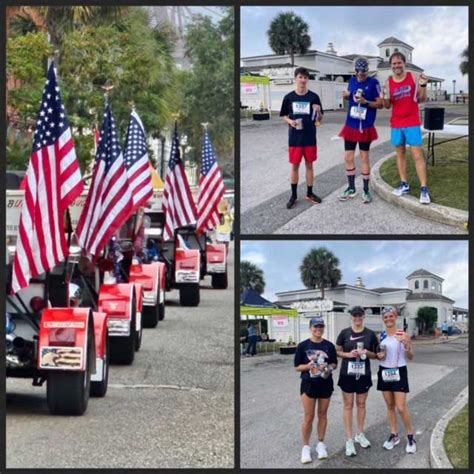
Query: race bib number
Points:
[301, 108]
[358, 112]
[356, 368]
[391, 375]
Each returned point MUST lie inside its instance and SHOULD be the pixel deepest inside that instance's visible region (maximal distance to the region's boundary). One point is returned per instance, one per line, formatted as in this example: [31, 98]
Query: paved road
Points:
[265, 185]
[182, 417]
[271, 411]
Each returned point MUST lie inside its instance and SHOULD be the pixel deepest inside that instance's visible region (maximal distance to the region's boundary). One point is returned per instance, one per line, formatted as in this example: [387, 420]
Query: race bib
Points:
[301, 108]
[358, 112]
[356, 368]
[391, 375]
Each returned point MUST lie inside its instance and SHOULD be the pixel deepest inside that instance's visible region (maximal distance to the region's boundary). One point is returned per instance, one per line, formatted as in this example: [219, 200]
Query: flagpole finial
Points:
[107, 88]
[176, 116]
[205, 125]
[132, 105]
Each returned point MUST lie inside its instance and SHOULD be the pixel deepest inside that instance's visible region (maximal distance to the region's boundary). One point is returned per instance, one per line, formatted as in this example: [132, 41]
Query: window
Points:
[417, 285]
[439, 287]
[433, 286]
[387, 53]
[396, 49]
[425, 285]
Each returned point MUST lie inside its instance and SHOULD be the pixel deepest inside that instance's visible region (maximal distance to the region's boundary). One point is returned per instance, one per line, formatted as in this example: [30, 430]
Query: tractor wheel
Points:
[122, 348]
[161, 308]
[68, 392]
[99, 389]
[150, 316]
[189, 295]
[219, 281]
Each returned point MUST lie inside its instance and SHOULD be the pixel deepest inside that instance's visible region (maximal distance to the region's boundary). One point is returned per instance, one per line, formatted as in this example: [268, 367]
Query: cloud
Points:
[455, 285]
[257, 258]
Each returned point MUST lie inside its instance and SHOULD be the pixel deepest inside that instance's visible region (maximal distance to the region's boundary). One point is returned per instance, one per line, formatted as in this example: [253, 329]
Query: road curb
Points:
[438, 456]
[435, 212]
[435, 341]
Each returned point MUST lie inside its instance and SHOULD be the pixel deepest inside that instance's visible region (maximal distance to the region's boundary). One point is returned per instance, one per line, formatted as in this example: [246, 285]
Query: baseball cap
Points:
[316, 322]
[357, 310]
[361, 65]
[389, 309]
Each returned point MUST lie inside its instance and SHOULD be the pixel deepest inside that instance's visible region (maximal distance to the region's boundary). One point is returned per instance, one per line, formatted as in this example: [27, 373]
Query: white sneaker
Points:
[411, 446]
[322, 450]
[362, 440]
[350, 448]
[306, 455]
[392, 441]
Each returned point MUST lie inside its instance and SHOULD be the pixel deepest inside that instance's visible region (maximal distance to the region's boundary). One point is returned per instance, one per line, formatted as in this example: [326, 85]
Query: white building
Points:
[423, 289]
[329, 73]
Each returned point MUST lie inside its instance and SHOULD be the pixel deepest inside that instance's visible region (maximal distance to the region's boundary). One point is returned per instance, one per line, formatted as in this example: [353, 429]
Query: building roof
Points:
[387, 65]
[393, 40]
[422, 272]
[428, 296]
[384, 289]
[273, 66]
[353, 56]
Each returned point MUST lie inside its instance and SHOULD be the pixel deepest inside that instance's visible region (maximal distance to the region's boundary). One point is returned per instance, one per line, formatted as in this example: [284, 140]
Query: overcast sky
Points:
[379, 263]
[438, 34]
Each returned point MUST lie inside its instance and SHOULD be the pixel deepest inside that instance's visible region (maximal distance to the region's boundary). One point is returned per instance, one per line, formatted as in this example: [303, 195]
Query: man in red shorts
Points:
[403, 91]
[301, 109]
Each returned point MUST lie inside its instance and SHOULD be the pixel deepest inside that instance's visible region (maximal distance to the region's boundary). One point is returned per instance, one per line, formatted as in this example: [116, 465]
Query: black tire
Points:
[161, 308]
[189, 295]
[99, 389]
[67, 393]
[122, 349]
[138, 338]
[150, 316]
[219, 281]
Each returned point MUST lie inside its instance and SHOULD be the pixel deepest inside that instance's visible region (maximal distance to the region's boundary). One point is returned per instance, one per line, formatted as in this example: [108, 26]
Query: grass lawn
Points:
[448, 179]
[456, 440]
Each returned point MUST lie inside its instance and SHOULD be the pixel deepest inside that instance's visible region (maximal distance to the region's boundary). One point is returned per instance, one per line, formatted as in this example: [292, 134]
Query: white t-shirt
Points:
[394, 353]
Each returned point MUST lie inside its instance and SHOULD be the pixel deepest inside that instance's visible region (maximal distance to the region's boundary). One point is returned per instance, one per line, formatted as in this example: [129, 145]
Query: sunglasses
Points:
[318, 327]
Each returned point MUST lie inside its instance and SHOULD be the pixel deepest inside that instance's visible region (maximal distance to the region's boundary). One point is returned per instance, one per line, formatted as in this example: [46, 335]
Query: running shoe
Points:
[404, 188]
[366, 197]
[322, 450]
[362, 440]
[411, 445]
[291, 203]
[349, 193]
[306, 455]
[313, 198]
[350, 448]
[392, 441]
[425, 195]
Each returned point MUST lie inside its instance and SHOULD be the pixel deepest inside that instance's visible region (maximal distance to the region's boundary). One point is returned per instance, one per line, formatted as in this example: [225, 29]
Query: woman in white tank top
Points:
[394, 350]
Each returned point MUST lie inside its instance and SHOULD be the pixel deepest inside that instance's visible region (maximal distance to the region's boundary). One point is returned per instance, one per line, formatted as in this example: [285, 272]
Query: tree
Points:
[426, 319]
[288, 34]
[251, 276]
[135, 58]
[208, 88]
[320, 269]
[464, 66]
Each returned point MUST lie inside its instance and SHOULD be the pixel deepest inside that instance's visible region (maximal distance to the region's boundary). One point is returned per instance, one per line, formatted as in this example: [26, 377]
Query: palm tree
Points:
[320, 269]
[251, 276]
[464, 66]
[288, 34]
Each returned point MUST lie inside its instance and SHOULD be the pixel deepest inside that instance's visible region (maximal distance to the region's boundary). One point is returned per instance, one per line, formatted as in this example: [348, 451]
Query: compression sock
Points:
[365, 180]
[351, 177]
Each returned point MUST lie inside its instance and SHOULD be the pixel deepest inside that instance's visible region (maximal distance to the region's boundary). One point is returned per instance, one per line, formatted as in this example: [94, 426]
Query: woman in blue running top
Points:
[394, 350]
[365, 97]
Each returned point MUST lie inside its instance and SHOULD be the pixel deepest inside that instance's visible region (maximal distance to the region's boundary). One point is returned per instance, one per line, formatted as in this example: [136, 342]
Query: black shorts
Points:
[445, 333]
[349, 384]
[351, 146]
[317, 388]
[401, 386]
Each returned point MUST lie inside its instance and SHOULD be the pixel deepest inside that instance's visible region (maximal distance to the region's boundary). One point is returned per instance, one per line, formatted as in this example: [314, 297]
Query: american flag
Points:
[53, 180]
[137, 163]
[211, 188]
[178, 203]
[109, 201]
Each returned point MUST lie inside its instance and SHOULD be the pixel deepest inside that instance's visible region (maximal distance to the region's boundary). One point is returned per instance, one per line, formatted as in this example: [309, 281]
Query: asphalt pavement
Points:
[265, 187]
[173, 408]
[271, 411]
